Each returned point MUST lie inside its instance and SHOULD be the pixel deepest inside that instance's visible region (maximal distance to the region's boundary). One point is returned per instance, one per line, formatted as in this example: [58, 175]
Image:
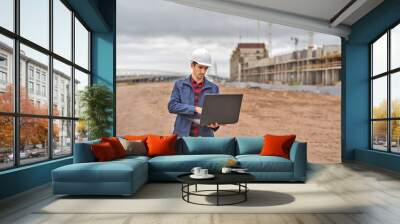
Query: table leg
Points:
[196, 188]
[217, 194]
[245, 193]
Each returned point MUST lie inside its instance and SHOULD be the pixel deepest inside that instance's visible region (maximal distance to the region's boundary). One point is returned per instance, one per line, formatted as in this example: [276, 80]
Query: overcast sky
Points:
[160, 35]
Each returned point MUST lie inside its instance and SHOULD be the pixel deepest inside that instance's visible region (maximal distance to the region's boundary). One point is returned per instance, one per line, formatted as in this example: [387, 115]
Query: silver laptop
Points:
[220, 108]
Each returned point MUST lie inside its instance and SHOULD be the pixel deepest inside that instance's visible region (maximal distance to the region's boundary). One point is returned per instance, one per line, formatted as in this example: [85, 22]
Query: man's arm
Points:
[175, 106]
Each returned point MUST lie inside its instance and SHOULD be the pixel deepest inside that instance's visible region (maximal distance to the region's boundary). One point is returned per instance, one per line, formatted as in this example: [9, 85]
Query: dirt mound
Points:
[314, 118]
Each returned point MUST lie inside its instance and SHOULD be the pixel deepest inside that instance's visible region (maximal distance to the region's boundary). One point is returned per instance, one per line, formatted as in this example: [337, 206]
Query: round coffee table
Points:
[238, 179]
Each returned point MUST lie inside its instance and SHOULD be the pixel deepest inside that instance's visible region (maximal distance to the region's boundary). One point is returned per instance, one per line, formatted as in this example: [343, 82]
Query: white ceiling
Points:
[312, 15]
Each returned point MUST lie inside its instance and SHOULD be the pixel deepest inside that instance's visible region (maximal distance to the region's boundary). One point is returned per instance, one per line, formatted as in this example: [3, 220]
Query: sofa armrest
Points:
[298, 155]
[83, 152]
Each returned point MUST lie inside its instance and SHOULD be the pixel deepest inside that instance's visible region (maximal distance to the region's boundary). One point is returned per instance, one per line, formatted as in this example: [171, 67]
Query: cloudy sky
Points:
[160, 35]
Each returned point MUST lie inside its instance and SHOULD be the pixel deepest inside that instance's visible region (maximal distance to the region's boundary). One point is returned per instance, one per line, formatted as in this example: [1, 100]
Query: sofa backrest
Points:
[83, 152]
[206, 145]
[249, 144]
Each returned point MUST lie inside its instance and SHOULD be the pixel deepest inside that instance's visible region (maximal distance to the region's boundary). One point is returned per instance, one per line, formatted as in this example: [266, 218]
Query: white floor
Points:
[376, 189]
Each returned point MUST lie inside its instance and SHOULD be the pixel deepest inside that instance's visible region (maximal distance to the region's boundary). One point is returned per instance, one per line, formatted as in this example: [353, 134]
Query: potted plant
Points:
[96, 102]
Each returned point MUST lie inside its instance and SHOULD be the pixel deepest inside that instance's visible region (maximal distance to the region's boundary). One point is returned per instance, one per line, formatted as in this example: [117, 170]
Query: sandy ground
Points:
[314, 118]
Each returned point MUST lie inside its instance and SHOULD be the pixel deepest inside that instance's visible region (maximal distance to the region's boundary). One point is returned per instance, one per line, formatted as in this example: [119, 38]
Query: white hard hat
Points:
[201, 56]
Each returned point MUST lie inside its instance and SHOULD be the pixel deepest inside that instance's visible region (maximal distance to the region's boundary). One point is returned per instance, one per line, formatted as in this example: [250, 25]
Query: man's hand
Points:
[198, 110]
[213, 125]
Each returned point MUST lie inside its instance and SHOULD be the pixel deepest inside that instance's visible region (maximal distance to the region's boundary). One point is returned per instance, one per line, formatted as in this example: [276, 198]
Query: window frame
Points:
[15, 71]
[388, 74]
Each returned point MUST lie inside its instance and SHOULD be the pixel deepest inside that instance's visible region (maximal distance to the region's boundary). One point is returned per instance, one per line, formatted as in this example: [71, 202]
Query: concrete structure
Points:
[244, 54]
[312, 66]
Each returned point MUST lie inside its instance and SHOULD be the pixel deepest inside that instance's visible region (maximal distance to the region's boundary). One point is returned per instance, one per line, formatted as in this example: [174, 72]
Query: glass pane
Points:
[379, 135]
[62, 89]
[81, 45]
[379, 55]
[35, 21]
[62, 137]
[395, 94]
[395, 136]
[6, 142]
[33, 139]
[379, 97]
[7, 14]
[81, 131]
[81, 81]
[6, 75]
[62, 29]
[395, 47]
[34, 81]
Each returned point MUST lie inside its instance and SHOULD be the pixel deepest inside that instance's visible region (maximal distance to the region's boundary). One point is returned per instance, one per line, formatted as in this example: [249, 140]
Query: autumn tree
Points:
[33, 130]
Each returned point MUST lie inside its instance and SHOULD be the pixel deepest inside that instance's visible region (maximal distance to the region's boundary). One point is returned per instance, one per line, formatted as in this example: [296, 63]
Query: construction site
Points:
[250, 62]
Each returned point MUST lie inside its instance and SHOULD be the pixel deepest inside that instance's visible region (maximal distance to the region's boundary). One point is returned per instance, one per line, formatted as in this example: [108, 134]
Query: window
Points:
[30, 87]
[33, 149]
[3, 78]
[43, 77]
[43, 90]
[61, 74]
[62, 30]
[30, 72]
[62, 137]
[81, 45]
[81, 81]
[37, 75]
[38, 89]
[7, 14]
[385, 94]
[6, 143]
[50, 135]
[6, 74]
[35, 21]
[3, 61]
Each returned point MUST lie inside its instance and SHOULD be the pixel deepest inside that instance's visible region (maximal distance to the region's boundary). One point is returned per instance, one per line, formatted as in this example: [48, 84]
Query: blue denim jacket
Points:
[181, 103]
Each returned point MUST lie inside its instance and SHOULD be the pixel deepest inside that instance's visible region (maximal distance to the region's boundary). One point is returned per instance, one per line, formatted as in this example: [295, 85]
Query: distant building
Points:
[242, 55]
[312, 66]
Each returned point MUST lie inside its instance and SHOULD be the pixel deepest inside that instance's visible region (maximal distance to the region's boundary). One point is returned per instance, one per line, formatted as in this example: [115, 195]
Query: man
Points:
[187, 97]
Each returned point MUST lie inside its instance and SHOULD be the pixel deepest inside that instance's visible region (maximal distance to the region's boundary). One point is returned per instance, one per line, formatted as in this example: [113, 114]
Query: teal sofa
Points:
[125, 176]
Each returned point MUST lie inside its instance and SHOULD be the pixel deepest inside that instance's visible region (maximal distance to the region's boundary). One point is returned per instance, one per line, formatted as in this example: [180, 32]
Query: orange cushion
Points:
[277, 145]
[161, 145]
[116, 145]
[136, 137]
[103, 151]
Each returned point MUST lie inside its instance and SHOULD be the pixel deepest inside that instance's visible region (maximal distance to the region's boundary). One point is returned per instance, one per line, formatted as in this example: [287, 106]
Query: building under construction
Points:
[250, 62]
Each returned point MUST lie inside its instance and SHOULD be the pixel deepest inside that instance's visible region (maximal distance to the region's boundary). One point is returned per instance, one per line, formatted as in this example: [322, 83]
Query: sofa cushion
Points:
[161, 145]
[257, 163]
[112, 171]
[206, 145]
[103, 151]
[249, 145]
[134, 147]
[116, 145]
[185, 163]
[275, 145]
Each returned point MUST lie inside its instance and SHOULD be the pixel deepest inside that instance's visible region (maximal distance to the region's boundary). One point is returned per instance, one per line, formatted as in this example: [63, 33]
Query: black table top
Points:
[220, 178]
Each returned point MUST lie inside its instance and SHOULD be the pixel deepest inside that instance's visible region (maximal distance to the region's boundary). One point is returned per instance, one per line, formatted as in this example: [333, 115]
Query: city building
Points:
[34, 81]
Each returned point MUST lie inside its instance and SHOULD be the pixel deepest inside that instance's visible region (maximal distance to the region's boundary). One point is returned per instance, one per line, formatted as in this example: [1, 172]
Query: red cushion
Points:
[277, 145]
[161, 145]
[103, 151]
[116, 145]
